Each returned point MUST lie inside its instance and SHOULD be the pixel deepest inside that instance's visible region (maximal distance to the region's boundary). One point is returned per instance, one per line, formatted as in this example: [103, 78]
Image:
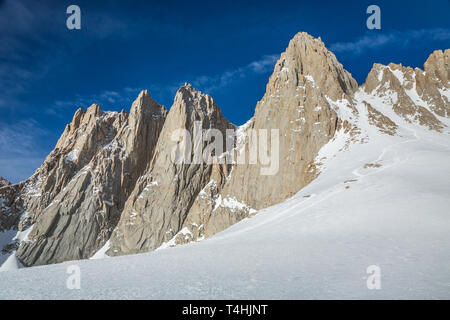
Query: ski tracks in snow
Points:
[383, 161]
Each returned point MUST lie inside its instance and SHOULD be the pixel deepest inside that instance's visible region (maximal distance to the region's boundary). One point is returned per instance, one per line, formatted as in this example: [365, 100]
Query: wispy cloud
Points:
[401, 38]
[107, 99]
[20, 149]
[212, 83]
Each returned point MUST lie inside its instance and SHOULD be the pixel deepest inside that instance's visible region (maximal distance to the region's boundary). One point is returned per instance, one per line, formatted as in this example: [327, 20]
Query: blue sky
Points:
[224, 48]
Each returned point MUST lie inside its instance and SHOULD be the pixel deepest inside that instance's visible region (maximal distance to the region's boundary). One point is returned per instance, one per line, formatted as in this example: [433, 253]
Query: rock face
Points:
[81, 217]
[157, 207]
[297, 106]
[419, 96]
[306, 77]
[80, 141]
[113, 179]
[8, 218]
[10, 206]
[4, 182]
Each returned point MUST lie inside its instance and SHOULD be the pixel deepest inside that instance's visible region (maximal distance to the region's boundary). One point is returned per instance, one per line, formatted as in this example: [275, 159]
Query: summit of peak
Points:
[4, 182]
[143, 93]
[188, 92]
[438, 65]
[142, 97]
[94, 108]
[188, 87]
[190, 100]
[306, 57]
[439, 54]
[304, 37]
[145, 103]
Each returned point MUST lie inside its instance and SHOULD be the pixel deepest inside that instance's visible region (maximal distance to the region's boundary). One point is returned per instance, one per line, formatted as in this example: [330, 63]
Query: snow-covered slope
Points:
[384, 202]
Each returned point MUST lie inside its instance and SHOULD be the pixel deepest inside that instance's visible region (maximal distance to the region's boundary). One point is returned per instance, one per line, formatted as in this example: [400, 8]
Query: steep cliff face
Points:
[157, 207]
[83, 214]
[81, 139]
[134, 182]
[10, 206]
[434, 86]
[296, 103]
[8, 210]
[78, 144]
[295, 118]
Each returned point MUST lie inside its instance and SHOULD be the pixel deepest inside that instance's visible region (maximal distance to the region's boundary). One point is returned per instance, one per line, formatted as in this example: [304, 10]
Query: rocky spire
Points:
[82, 215]
[4, 182]
[158, 205]
[88, 132]
[297, 106]
[437, 66]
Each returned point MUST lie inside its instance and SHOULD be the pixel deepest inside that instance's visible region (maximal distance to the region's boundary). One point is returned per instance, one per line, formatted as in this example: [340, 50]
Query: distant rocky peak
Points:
[4, 182]
[384, 78]
[416, 95]
[438, 66]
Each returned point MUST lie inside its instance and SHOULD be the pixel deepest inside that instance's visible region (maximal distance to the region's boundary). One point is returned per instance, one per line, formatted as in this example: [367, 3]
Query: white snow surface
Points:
[315, 245]
[11, 263]
[101, 253]
[72, 156]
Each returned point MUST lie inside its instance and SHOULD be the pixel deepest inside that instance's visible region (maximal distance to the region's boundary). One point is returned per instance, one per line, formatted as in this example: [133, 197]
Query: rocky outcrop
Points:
[437, 67]
[379, 120]
[158, 206]
[297, 104]
[11, 207]
[434, 86]
[81, 217]
[297, 113]
[87, 133]
[4, 182]
[418, 96]
[11, 215]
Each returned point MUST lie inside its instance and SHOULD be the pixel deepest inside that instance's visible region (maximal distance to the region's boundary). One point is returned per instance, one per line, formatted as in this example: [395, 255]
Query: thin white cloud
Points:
[209, 84]
[107, 99]
[123, 98]
[265, 64]
[212, 83]
[379, 40]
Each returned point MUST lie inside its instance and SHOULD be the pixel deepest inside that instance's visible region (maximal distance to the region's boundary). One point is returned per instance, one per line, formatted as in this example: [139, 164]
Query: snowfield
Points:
[383, 203]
